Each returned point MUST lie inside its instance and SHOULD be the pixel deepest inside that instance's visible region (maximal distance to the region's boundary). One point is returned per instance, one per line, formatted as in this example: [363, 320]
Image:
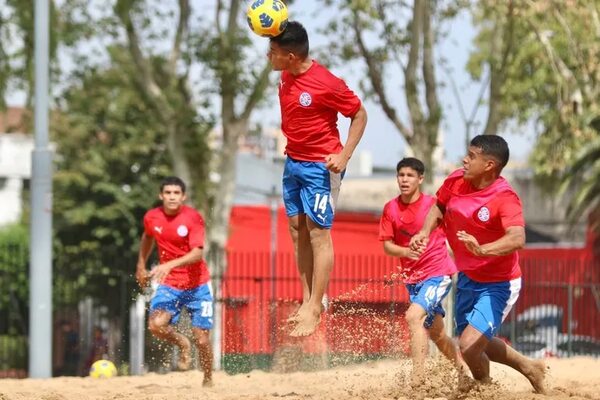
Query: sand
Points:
[576, 378]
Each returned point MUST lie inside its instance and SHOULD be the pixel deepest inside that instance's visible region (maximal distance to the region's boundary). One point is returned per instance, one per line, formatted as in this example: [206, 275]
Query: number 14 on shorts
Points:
[320, 203]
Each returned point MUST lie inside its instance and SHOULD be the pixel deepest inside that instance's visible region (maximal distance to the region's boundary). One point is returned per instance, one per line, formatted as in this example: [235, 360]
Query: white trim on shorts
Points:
[335, 182]
[515, 288]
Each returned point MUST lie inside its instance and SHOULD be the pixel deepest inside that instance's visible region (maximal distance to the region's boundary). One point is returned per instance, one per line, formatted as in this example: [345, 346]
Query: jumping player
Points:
[311, 98]
[428, 277]
[483, 219]
[183, 277]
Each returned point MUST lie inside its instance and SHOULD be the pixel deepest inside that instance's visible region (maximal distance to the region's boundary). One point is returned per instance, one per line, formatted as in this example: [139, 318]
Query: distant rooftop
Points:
[12, 121]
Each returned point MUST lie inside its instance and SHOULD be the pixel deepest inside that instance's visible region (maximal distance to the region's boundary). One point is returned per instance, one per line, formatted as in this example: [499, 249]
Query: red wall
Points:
[367, 302]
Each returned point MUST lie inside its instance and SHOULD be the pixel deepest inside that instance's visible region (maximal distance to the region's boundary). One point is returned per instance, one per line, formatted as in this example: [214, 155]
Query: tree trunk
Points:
[176, 147]
[218, 232]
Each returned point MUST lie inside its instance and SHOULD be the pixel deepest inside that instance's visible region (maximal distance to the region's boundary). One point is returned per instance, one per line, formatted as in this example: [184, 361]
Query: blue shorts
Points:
[197, 301]
[429, 295]
[310, 188]
[484, 305]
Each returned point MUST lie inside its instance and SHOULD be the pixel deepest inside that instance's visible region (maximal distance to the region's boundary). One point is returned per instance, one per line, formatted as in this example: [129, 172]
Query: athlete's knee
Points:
[436, 334]
[468, 349]
[319, 236]
[202, 337]
[156, 326]
[158, 322]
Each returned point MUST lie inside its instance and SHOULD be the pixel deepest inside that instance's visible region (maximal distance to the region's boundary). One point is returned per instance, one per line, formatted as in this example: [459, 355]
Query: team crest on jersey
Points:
[483, 214]
[182, 230]
[305, 99]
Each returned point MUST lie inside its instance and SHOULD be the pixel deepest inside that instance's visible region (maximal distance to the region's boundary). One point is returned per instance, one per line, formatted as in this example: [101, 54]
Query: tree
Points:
[111, 154]
[553, 78]
[370, 31]
[17, 47]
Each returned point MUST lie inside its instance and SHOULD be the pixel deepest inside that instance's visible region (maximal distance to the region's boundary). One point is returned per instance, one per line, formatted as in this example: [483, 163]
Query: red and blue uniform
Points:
[185, 286]
[488, 286]
[310, 103]
[428, 278]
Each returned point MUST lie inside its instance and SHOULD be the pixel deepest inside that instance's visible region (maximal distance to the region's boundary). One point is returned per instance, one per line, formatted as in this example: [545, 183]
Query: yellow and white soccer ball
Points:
[103, 369]
[267, 18]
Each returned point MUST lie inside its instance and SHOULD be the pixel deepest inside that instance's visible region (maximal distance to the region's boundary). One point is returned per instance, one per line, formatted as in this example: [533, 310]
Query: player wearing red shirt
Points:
[182, 276]
[428, 277]
[311, 98]
[483, 219]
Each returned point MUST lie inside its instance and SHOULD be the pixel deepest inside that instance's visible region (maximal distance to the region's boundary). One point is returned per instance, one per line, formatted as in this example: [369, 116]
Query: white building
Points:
[15, 164]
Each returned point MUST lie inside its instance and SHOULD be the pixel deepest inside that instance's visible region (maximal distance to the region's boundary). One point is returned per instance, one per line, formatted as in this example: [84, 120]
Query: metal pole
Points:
[40, 272]
[136, 335]
[274, 202]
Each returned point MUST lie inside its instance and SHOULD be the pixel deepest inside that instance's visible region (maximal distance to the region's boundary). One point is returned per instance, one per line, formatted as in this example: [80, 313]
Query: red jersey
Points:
[175, 236]
[310, 103]
[486, 214]
[399, 223]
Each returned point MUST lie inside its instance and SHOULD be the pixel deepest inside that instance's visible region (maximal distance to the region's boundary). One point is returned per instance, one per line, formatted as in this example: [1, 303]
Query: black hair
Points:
[413, 163]
[293, 39]
[174, 181]
[494, 146]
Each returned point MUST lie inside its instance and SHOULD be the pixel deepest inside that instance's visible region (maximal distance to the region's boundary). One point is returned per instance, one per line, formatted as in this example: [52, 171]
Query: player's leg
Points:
[164, 313]
[534, 370]
[309, 315]
[425, 318]
[199, 303]
[472, 344]
[466, 298]
[492, 303]
[294, 209]
[415, 317]
[445, 344]
[304, 256]
[318, 193]
[202, 338]
[501, 297]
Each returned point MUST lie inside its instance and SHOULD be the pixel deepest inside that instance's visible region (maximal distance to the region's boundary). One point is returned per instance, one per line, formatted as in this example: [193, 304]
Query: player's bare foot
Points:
[208, 382]
[293, 318]
[185, 355]
[307, 321]
[465, 382]
[537, 376]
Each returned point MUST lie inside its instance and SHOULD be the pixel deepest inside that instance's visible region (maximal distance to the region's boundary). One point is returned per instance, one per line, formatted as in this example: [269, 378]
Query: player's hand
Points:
[470, 243]
[418, 243]
[336, 162]
[143, 277]
[412, 254]
[160, 272]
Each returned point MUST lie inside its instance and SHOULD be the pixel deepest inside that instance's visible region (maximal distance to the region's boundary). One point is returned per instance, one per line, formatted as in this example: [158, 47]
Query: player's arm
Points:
[513, 240]
[434, 217]
[511, 215]
[392, 249]
[141, 274]
[191, 257]
[337, 162]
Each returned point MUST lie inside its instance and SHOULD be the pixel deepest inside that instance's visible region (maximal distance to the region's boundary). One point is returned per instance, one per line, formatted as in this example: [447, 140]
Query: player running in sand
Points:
[483, 219]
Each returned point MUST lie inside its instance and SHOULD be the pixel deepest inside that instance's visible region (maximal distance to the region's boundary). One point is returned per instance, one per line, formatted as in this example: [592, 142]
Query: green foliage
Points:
[14, 267]
[552, 75]
[13, 352]
[111, 155]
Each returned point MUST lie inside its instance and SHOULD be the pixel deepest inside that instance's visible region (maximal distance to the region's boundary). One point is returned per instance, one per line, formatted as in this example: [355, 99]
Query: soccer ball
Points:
[103, 369]
[267, 18]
